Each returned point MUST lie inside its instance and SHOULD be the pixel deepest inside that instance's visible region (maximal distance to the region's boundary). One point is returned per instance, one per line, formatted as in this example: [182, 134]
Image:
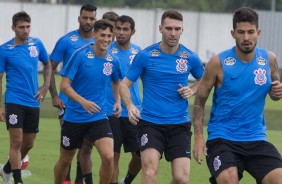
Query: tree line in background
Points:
[191, 5]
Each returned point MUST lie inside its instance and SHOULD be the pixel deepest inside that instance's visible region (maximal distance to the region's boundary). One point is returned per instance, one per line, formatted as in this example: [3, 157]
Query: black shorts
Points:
[124, 133]
[258, 158]
[72, 134]
[173, 140]
[19, 116]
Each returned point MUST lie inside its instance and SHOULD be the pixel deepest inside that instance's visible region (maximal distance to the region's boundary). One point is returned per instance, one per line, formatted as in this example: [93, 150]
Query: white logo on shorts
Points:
[144, 139]
[216, 163]
[13, 119]
[66, 141]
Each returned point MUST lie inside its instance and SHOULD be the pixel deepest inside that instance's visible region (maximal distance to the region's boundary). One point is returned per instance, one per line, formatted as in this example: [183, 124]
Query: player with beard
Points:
[124, 132]
[242, 77]
[63, 50]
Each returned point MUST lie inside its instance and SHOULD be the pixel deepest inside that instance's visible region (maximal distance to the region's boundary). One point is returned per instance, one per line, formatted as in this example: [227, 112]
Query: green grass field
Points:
[46, 151]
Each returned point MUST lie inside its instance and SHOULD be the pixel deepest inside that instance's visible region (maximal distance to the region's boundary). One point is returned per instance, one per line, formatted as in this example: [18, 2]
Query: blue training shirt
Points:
[237, 110]
[89, 74]
[65, 47]
[160, 74]
[20, 62]
[126, 57]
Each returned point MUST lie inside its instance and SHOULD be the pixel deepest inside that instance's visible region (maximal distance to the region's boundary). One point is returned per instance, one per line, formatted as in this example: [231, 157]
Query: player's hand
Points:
[2, 115]
[199, 148]
[276, 89]
[185, 92]
[57, 102]
[117, 110]
[90, 107]
[41, 93]
[133, 115]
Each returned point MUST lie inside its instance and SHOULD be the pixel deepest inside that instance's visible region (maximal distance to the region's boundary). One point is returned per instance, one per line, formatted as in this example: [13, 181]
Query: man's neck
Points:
[123, 46]
[85, 35]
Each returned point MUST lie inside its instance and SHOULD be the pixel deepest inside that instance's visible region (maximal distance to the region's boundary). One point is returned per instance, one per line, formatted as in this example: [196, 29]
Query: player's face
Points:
[171, 30]
[245, 35]
[103, 38]
[22, 30]
[123, 32]
[86, 20]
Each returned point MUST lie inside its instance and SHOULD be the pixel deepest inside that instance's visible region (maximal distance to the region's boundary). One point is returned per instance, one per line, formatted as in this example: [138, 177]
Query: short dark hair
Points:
[111, 16]
[125, 18]
[21, 16]
[103, 24]
[171, 14]
[88, 7]
[245, 14]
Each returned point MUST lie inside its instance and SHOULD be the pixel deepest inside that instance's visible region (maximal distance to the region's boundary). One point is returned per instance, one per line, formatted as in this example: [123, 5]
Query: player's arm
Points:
[207, 82]
[2, 113]
[124, 90]
[275, 92]
[117, 106]
[46, 76]
[56, 101]
[66, 88]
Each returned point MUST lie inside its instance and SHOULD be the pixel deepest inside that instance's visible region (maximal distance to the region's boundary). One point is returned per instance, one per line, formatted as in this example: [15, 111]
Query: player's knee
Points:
[179, 179]
[108, 160]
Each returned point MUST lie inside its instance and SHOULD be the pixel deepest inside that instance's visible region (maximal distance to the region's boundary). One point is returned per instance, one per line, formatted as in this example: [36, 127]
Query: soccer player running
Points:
[84, 82]
[19, 59]
[164, 123]
[124, 132]
[63, 50]
[242, 76]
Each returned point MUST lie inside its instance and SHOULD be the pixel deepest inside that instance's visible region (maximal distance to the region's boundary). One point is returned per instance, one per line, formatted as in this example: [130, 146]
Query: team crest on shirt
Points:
[181, 65]
[66, 141]
[183, 54]
[155, 52]
[131, 57]
[261, 61]
[133, 51]
[229, 61]
[216, 163]
[109, 58]
[108, 68]
[33, 51]
[90, 55]
[13, 119]
[74, 38]
[260, 77]
[114, 50]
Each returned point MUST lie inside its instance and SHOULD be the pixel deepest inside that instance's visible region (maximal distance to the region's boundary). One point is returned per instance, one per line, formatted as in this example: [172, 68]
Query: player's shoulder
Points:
[72, 36]
[152, 50]
[185, 52]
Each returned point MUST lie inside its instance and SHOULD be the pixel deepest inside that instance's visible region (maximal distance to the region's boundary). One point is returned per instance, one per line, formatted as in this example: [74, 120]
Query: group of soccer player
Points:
[99, 101]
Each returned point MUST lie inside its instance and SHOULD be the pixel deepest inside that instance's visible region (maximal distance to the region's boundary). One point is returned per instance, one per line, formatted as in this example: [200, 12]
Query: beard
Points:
[244, 50]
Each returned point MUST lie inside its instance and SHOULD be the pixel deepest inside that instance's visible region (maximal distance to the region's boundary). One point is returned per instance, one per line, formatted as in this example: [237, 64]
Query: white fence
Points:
[204, 33]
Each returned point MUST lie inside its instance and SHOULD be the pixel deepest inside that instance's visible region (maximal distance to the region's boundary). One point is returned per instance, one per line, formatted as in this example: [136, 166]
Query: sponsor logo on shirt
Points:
[181, 65]
[133, 51]
[90, 55]
[33, 51]
[109, 58]
[261, 61]
[155, 52]
[114, 50]
[183, 54]
[30, 42]
[74, 38]
[10, 46]
[229, 61]
[260, 77]
[107, 68]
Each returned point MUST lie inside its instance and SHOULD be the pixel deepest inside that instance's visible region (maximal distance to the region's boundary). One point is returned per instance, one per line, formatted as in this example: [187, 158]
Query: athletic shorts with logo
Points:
[72, 134]
[172, 140]
[19, 116]
[257, 158]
